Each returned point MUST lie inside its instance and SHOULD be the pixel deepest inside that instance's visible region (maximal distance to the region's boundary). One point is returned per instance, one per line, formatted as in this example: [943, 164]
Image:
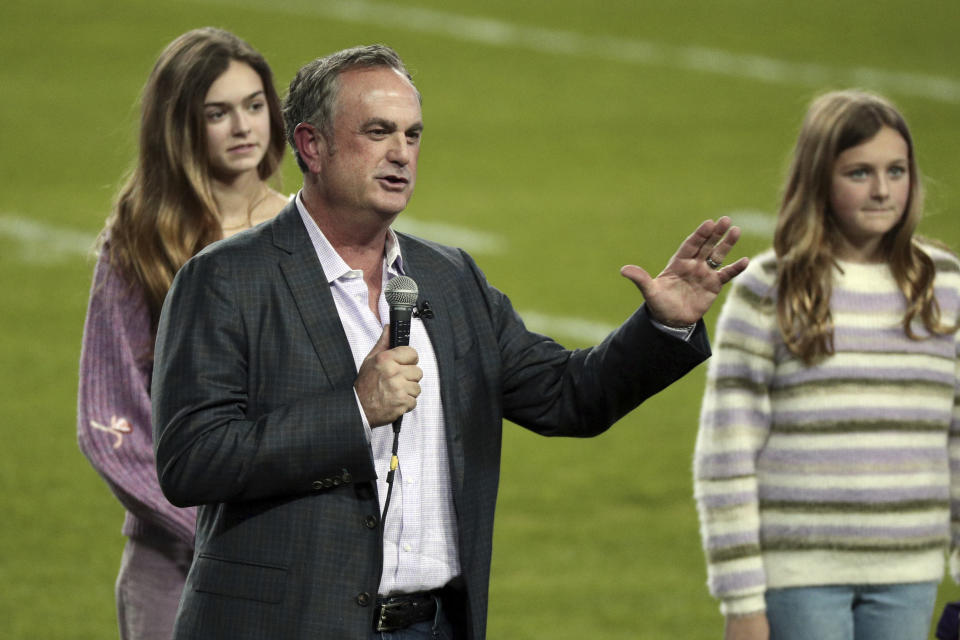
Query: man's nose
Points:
[399, 151]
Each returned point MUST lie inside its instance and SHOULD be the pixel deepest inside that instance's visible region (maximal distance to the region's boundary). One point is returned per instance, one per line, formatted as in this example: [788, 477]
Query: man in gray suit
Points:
[274, 380]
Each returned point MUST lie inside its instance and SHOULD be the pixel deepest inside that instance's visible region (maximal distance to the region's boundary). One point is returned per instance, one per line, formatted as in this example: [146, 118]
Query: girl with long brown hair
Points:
[211, 135]
[827, 460]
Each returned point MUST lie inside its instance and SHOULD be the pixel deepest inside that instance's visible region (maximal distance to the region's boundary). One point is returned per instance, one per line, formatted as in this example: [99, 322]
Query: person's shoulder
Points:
[763, 264]
[755, 288]
[112, 280]
[239, 258]
[945, 260]
[248, 245]
[761, 273]
[421, 249]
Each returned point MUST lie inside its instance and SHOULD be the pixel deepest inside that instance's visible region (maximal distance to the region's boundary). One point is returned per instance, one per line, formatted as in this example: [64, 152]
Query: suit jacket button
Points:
[370, 522]
[346, 477]
[363, 599]
[327, 483]
[317, 485]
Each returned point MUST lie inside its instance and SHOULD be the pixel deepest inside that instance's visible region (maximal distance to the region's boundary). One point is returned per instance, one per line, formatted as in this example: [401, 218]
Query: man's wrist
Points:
[683, 333]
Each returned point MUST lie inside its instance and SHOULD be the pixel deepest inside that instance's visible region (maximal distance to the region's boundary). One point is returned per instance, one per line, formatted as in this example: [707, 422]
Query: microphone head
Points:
[401, 291]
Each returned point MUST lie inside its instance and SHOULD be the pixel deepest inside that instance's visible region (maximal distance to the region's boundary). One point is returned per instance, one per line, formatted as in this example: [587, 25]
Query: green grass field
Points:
[573, 137]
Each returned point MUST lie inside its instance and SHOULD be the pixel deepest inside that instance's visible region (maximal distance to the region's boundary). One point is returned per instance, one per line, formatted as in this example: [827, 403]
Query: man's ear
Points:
[311, 146]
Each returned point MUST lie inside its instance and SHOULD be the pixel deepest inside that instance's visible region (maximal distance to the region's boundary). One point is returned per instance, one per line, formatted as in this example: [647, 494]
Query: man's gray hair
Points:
[313, 91]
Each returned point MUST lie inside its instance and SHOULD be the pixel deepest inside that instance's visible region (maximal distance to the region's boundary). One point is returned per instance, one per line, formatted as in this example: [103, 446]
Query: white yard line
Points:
[581, 329]
[754, 223]
[473, 241]
[39, 242]
[42, 242]
[500, 33]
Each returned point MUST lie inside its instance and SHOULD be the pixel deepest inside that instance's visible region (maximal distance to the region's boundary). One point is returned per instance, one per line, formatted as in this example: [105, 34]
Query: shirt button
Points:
[407, 547]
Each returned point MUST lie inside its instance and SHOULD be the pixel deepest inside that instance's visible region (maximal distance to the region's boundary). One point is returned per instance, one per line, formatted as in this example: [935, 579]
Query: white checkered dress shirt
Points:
[420, 538]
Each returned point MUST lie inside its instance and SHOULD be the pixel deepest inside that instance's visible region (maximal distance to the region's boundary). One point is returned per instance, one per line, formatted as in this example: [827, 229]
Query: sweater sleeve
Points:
[113, 406]
[953, 448]
[947, 289]
[734, 424]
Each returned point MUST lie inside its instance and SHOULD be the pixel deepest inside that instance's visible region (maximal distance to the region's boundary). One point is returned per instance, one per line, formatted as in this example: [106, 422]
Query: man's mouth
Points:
[393, 180]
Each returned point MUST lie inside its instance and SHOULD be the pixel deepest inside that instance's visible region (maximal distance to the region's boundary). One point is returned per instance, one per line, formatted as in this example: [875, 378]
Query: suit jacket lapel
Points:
[417, 265]
[311, 293]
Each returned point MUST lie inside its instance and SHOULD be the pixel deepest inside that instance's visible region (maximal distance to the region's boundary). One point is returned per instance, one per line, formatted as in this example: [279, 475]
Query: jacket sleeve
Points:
[113, 408]
[227, 430]
[734, 424]
[555, 391]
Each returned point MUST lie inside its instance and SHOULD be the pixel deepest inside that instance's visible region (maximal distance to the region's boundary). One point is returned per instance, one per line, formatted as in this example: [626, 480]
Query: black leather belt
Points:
[401, 611]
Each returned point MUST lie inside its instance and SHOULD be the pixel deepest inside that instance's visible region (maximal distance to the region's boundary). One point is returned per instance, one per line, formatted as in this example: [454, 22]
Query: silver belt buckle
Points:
[382, 618]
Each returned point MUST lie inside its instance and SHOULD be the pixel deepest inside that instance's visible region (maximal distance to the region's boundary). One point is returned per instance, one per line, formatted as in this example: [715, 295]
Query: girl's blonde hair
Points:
[807, 235]
[165, 212]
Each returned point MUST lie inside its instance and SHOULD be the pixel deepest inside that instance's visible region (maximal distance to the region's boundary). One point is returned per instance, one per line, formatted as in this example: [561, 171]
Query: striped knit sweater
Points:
[845, 472]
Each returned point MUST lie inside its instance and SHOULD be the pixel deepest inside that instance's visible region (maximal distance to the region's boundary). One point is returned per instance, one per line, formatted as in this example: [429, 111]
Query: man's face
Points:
[371, 165]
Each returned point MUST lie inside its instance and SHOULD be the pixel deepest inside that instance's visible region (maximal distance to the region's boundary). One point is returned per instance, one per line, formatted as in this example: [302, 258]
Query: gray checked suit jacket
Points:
[256, 421]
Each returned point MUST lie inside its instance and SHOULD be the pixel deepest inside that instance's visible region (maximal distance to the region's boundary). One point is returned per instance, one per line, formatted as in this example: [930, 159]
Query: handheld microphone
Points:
[401, 294]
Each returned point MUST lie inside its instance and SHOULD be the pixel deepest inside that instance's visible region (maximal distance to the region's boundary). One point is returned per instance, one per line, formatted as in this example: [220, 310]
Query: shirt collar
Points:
[333, 265]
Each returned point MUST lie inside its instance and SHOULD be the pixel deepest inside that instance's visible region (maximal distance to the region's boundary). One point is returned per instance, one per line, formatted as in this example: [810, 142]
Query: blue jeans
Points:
[852, 612]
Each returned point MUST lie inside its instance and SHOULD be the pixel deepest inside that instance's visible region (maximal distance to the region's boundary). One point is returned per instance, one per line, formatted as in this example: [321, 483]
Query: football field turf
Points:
[563, 139]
